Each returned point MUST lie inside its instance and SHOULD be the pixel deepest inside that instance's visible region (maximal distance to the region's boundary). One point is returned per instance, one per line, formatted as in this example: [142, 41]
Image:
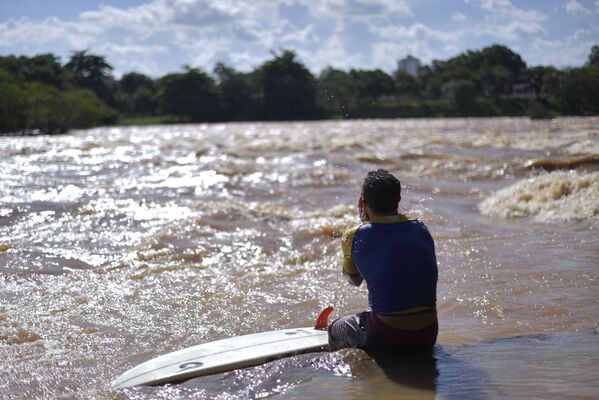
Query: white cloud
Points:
[332, 53]
[504, 21]
[459, 17]
[159, 36]
[206, 31]
[142, 65]
[510, 32]
[132, 49]
[574, 7]
[359, 8]
[451, 49]
[245, 60]
[199, 28]
[419, 40]
[415, 31]
[572, 51]
[305, 35]
[244, 19]
[26, 31]
[505, 9]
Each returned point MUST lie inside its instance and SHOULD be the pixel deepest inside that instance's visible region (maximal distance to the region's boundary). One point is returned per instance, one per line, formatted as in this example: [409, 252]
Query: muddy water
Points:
[120, 244]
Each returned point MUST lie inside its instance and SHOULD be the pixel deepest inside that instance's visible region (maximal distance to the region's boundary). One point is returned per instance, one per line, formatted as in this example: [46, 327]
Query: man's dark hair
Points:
[381, 191]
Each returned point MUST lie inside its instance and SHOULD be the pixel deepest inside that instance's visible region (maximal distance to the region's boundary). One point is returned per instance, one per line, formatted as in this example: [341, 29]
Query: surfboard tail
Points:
[322, 322]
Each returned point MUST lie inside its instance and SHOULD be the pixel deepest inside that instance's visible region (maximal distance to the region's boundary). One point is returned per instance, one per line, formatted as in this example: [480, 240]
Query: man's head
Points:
[381, 192]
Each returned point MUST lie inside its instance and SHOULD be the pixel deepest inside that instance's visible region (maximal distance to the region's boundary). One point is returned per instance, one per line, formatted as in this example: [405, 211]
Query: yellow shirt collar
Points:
[390, 219]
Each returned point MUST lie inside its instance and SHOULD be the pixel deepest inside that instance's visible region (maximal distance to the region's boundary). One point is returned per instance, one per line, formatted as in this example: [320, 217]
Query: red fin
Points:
[322, 322]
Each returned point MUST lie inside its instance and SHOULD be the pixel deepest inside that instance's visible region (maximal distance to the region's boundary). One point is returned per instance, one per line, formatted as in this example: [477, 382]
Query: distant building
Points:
[410, 65]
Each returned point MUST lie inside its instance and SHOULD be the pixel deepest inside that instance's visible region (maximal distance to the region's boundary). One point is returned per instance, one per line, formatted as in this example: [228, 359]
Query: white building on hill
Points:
[410, 65]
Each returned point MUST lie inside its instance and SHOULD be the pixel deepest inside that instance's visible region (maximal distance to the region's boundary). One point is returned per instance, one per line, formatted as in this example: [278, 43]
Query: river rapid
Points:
[120, 244]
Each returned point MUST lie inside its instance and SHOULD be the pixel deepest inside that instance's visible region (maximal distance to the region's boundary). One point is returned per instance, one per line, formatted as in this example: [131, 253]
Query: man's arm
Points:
[350, 271]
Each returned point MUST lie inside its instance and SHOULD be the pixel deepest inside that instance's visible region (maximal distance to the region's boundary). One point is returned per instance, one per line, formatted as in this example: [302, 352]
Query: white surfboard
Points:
[227, 354]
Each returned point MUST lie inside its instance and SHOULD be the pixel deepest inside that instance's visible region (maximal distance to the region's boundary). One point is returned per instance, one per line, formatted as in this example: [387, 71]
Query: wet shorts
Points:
[365, 331]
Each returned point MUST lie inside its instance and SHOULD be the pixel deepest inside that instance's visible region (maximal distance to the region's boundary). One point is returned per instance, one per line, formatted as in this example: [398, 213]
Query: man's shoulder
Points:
[350, 233]
[420, 224]
[347, 239]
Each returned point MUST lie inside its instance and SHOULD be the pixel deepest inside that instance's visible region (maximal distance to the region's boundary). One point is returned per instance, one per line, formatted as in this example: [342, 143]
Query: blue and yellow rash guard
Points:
[396, 257]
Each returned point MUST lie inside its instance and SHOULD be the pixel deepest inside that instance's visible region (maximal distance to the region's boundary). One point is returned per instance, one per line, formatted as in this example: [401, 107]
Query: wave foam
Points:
[547, 197]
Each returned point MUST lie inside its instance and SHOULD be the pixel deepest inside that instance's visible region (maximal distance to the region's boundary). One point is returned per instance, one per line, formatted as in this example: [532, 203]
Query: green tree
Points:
[235, 93]
[578, 91]
[85, 110]
[407, 86]
[430, 81]
[493, 70]
[336, 92]
[287, 88]
[461, 94]
[51, 111]
[496, 80]
[593, 60]
[42, 108]
[13, 101]
[372, 85]
[132, 81]
[498, 55]
[136, 95]
[44, 68]
[91, 71]
[535, 78]
[190, 95]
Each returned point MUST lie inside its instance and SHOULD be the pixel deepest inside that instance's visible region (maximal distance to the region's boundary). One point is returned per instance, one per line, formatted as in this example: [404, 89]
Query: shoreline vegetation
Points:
[39, 95]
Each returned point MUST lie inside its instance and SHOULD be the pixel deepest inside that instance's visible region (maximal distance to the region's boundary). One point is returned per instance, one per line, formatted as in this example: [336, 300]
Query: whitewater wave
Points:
[547, 197]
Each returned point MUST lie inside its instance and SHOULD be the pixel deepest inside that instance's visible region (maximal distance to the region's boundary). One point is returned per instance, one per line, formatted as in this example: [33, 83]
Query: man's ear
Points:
[363, 210]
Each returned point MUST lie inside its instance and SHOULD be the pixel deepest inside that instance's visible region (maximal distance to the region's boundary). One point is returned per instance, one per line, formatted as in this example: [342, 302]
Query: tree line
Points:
[40, 95]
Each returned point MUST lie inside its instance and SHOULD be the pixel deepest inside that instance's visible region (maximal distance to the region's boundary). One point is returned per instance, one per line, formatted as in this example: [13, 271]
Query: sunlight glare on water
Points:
[120, 244]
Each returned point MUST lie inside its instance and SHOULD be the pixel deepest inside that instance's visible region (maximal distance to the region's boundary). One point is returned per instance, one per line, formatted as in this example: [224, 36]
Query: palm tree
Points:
[91, 72]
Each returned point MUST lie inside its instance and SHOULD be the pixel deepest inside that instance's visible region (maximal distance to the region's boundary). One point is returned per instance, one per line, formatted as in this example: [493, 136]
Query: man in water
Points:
[395, 254]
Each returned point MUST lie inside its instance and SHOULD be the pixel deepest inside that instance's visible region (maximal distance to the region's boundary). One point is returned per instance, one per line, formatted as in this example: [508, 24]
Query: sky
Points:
[156, 37]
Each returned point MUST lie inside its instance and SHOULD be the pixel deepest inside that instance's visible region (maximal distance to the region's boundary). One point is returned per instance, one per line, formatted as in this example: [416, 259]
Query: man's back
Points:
[396, 257]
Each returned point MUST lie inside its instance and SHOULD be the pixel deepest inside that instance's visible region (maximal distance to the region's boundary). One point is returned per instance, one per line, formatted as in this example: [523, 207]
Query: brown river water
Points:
[120, 244]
